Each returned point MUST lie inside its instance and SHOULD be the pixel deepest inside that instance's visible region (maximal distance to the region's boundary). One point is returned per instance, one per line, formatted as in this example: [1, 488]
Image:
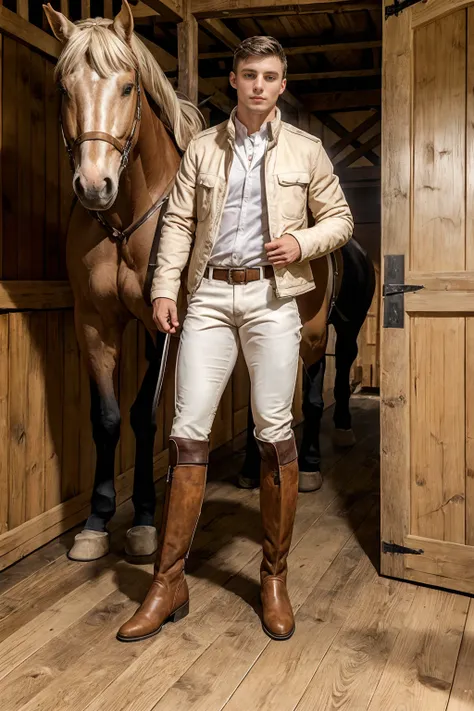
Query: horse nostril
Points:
[78, 187]
[108, 186]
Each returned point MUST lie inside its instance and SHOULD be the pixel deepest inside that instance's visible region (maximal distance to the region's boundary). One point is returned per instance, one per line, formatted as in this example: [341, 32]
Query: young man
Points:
[245, 185]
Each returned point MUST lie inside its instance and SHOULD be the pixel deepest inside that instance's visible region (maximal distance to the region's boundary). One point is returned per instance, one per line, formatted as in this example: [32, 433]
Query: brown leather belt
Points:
[239, 276]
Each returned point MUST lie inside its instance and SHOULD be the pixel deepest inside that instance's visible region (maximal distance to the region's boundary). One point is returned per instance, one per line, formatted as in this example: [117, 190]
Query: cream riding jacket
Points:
[298, 175]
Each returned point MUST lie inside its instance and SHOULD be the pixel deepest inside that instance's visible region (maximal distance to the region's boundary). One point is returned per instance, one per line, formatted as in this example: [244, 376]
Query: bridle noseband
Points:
[124, 149]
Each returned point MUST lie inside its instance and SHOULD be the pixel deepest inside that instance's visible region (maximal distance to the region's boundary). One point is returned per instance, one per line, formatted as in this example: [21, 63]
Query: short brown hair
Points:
[259, 46]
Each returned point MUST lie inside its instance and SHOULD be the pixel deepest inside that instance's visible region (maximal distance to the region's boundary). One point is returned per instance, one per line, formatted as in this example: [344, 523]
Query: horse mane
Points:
[106, 53]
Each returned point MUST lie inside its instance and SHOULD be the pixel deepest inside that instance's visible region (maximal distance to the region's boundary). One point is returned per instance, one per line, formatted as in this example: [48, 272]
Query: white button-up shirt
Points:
[244, 226]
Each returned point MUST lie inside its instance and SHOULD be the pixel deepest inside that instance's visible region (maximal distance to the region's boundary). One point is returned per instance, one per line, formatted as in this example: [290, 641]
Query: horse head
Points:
[99, 79]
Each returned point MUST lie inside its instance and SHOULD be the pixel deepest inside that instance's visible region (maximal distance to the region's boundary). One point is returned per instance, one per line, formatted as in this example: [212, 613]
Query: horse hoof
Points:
[309, 481]
[141, 541]
[247, 482]
[344, 438]
[89, 545]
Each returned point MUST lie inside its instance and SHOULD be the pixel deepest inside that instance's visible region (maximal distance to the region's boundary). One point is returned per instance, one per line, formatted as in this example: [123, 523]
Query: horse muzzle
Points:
[99, 194]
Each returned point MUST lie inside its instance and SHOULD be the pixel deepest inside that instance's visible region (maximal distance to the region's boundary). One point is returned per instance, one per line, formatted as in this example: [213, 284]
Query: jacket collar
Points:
[274, 128]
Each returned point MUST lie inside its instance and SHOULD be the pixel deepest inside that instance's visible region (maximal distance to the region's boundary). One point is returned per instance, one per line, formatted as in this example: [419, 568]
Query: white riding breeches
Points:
[219, 317]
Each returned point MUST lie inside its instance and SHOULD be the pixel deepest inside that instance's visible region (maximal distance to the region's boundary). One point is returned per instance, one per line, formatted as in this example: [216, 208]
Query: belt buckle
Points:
[230, 278]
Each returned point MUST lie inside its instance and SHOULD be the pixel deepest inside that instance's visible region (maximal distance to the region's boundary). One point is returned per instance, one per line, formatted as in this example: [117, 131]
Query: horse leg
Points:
[309, 460]
[249, 475]
[346, 353]
[100, 347]
[142, 539]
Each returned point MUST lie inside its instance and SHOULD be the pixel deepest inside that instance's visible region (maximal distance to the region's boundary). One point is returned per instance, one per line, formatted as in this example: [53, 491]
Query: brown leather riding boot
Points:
[168, 596]
[278, 496]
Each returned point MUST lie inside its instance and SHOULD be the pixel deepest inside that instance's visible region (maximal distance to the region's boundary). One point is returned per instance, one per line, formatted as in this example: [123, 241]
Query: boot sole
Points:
[176, 616]
[277, 637]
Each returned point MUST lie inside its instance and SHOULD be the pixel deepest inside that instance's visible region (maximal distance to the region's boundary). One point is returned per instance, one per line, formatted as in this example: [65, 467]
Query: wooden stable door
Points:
[427, 379]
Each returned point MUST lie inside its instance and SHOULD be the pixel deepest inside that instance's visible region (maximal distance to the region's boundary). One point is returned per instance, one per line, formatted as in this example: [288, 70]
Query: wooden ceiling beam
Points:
[309, 49]
[364, 175]
[333, 125]
[351, 136]
[342, 100]
[221, 32]
[139, 10]
[169, 10]
[202, 9]
[363, 151]
[340, 74]
[188, 74]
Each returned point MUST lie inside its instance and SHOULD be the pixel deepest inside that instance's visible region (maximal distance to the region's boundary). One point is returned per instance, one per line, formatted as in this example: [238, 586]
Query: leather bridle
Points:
[124, 149]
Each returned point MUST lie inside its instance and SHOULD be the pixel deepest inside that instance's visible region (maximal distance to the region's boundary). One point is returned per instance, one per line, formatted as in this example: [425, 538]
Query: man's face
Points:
[259, 82]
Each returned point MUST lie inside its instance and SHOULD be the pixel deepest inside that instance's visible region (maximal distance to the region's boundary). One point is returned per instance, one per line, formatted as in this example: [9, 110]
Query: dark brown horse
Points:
[124, 160]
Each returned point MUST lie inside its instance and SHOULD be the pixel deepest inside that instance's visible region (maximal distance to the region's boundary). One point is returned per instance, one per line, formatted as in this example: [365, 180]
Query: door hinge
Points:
[394, 290]
[400, 550]
[398, 7]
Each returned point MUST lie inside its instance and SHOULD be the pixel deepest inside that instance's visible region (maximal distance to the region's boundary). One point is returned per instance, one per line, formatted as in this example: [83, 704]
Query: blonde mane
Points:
[106, 54]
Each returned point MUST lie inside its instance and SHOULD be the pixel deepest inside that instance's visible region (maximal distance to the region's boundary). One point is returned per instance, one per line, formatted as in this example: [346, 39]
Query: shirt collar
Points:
[242, 133]
[274, 128]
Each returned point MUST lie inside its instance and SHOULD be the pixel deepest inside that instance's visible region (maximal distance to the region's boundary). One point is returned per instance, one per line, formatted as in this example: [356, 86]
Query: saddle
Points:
[315, 306]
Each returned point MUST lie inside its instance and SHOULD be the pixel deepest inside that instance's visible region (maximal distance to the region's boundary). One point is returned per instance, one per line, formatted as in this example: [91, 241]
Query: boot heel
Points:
[180, 613]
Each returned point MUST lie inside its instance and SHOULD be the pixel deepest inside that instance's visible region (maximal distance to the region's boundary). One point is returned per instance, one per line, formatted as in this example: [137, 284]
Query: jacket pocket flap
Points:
[207, 179]
[294, 178]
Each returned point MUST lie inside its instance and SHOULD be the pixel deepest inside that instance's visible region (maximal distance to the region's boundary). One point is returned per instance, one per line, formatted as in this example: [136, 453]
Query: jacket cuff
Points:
[298, 237]
[159, 293]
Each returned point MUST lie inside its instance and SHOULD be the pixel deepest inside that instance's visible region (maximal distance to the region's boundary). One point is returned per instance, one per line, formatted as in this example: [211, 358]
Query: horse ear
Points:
[123, 22]
[63, 29]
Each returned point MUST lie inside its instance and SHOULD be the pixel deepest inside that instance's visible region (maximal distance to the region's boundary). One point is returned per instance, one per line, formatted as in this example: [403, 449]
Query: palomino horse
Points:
[345, 305]
[124, 161]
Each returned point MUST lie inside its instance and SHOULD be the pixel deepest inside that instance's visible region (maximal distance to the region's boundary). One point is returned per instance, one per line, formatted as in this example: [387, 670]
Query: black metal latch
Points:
[394, 290]
[398, 7]
[400, 550]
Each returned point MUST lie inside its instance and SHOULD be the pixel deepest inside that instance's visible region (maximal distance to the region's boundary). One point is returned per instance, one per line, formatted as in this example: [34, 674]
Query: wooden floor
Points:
[362, 642]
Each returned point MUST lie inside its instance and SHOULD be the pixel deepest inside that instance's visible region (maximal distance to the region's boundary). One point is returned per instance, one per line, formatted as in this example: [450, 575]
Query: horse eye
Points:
[127, 90]
[62, 89]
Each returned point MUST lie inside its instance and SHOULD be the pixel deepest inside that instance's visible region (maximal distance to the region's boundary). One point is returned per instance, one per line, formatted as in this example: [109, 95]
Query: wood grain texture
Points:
[18, 410]
[429, 666]
[461, 697]
[34, 481]
[394, 375]
[188, 57]
[438, 428]
[439, 144]
[4, 423]
[54, 379]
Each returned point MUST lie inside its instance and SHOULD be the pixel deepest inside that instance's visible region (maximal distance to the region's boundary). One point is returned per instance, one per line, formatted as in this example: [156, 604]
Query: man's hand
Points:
[165, 315]
[284, 251]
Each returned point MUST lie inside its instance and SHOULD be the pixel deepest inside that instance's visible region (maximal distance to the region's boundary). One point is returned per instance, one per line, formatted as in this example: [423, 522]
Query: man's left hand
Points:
[284, 251]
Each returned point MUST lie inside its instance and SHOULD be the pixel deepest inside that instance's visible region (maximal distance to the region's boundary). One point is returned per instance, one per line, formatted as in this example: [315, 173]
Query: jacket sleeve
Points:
[333, 219]
[178, 230]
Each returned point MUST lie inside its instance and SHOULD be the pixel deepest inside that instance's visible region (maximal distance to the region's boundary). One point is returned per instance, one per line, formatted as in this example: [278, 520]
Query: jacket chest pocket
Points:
[293, 194]
[205, 190]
